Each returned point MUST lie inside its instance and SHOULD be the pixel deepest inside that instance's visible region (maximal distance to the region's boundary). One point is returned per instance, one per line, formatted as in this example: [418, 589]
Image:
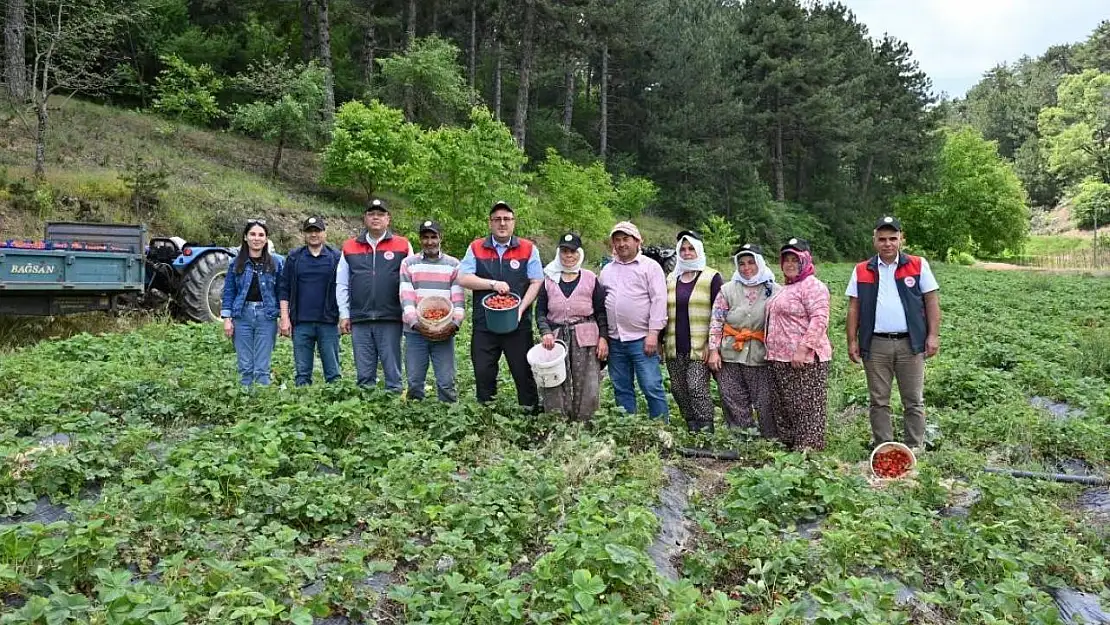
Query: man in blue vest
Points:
[893, 326]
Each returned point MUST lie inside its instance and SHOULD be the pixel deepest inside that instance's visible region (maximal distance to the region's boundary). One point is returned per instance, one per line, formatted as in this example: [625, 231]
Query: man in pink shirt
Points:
[636, 307]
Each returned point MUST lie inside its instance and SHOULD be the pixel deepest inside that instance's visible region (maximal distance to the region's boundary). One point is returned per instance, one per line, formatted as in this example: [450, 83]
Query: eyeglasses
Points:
[256, 222]
[502, 220]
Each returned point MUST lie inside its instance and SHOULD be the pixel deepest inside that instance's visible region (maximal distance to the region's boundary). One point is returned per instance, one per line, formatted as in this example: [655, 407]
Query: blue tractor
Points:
[188, 275]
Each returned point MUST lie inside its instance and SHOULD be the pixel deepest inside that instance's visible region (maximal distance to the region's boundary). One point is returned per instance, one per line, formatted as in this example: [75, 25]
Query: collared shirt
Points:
[635, 298]
[313, 287]
[890, 315]
[376, 240]
[799, 315]
[469, 265]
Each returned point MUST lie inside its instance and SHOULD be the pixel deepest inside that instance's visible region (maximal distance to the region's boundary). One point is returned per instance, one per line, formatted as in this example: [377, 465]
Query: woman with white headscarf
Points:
[571, 307]
[736, 343]
[691, 289]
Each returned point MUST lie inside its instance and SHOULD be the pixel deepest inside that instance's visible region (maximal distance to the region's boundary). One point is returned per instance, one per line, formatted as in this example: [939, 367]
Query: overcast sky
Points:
[955, 41]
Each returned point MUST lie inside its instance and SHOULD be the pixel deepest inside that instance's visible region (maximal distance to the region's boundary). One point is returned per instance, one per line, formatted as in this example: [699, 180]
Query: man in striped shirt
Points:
[430, 273]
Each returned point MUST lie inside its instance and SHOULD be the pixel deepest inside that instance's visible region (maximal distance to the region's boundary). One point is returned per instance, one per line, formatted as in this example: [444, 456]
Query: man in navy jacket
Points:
[309, 312]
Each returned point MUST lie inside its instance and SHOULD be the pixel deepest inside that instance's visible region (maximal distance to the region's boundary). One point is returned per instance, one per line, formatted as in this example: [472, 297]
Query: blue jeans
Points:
[419, 351]
[254, 336]
[312, 337]
[627, 360]
[374, 342]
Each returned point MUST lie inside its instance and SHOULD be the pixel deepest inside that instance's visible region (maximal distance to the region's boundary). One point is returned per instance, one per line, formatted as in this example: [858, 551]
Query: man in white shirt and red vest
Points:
[503, 263]
[367, 289]
[893, 326]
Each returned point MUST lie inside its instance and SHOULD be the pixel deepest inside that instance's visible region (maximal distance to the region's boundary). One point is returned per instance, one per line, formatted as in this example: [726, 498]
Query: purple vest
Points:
[573, 310]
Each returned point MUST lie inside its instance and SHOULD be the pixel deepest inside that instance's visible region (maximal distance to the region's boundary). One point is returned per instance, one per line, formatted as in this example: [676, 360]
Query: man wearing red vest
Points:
[367, 289]
[893, 326]
[503, 263]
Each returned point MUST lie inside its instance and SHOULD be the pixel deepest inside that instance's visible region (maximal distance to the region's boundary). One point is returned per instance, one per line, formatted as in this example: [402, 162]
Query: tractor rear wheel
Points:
[202, 287]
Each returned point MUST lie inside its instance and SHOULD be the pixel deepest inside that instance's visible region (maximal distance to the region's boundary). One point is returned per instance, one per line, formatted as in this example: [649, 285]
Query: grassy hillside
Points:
[215, 179]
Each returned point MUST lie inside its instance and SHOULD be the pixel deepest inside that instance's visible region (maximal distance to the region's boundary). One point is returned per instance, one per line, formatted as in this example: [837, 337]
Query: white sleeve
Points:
[928, 281]
[853, 285]
[342, 290]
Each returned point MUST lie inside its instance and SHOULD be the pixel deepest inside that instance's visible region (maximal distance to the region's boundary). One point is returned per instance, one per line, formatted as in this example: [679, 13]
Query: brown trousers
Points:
[890, 360]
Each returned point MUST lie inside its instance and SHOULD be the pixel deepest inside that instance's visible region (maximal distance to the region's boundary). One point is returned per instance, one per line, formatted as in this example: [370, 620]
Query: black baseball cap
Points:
[501, 205]
[377, 205]
[429, 226]
[693, 234]
[796, 245]
[314, 222]
[748, 248]
[889, 222]
[570, 241]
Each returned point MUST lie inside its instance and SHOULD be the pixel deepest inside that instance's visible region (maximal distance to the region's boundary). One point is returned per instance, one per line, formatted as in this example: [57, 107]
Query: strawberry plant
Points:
[191, 500]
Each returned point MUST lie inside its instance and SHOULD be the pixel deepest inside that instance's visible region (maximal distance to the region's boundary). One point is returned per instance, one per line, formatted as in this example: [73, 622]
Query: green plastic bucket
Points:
[501, 321]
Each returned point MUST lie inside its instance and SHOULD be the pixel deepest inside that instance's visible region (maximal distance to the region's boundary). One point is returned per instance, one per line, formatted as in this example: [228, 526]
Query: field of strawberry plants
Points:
[140, 484]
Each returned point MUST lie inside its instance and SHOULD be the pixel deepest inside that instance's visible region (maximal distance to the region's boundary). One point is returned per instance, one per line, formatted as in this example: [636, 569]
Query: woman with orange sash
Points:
[736, 349]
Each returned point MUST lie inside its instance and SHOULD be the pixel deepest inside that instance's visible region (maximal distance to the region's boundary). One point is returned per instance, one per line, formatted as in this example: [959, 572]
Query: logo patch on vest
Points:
[910, 281]
[515, 264]
[388, 255]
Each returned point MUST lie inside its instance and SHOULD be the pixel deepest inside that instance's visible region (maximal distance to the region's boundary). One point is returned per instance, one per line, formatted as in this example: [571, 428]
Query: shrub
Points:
[187, 92]
[146, 180]
[573, 197]
[1091, 203]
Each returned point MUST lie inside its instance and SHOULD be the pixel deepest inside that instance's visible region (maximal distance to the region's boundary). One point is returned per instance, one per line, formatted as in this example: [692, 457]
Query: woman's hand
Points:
[549, 341]
[229, 328]
[713, 360]
[801, 357]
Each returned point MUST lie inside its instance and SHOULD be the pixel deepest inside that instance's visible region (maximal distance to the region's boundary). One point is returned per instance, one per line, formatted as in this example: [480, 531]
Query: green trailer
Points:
[77, 267]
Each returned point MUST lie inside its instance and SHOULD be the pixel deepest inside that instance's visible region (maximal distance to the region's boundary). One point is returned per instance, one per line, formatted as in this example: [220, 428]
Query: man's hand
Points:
[853, 351]
[345, 326]
[229, 328]
[932, 346]
[651, 344]
[549, 341]
[602, 348]
[285, 327]
[713, 360]
[501, 287]
[801, 357]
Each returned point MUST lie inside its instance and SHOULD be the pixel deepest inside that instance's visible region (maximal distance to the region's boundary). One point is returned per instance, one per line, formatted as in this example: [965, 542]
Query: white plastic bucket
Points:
[549, 366]
[892, 445]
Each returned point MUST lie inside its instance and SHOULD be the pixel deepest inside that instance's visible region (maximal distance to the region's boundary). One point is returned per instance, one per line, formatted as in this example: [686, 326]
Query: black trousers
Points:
[485, 353]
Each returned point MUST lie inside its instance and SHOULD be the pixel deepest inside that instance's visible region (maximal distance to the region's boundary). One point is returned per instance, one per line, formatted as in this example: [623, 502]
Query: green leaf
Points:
[620, 554]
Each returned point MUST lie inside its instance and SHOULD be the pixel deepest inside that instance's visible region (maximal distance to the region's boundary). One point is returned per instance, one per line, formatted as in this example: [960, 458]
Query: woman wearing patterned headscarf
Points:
[736, 343]
[571, 307]
[799, 349]
[691, 290]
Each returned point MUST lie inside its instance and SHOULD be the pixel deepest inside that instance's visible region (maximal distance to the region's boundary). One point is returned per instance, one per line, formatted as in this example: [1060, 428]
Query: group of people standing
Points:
[766, 344]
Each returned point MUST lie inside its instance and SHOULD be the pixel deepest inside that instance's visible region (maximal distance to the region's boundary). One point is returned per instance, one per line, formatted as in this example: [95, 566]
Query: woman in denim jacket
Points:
[250, 304]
